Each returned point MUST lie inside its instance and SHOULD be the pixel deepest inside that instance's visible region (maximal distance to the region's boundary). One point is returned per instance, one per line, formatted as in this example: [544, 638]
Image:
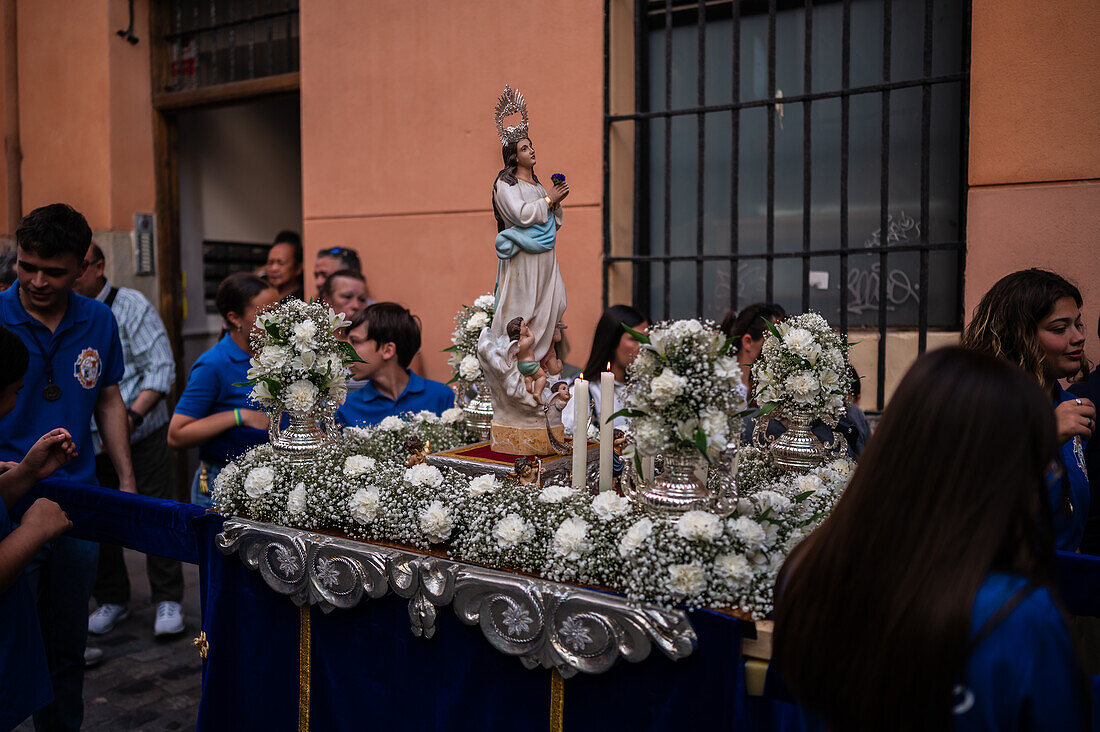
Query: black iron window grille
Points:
[808, 153]
[223, 258]
[214, 42]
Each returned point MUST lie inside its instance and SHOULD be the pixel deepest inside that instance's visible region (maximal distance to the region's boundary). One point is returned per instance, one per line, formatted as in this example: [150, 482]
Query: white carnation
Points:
[808, 483]
[555, 493]
[424, 474]
[634, 536]
[426, 415]
[337, 395]
[391, 424]
[304, 361]
[477, 321]
[453, 415]
[302, 335]
[687, 580]
[699, 526]
[259, 481]
[364, 504]
[665, 387]
[728, 368]
[748, 531]
[609, 504]
[469, 369]
[300, 396]
[511, 531]
[733, 567]
[571, 539]
[485, 302]
[686, 430]
[436, 521]
[273, 357]
[483, 484]
[296, 499]
[715, 425]
[777, 502]
[803, 387]
[356, 465]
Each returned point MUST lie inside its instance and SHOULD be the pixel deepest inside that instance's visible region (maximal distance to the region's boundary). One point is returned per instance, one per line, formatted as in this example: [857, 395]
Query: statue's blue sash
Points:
[536, 239]
[531, 239]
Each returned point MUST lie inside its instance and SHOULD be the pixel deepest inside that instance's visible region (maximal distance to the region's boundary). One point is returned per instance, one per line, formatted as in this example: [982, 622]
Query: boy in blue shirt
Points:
[387, 336]
[75, 366]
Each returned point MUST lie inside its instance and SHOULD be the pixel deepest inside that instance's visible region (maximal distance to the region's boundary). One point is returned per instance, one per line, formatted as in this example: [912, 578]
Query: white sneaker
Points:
[169, 619]
[106, 616]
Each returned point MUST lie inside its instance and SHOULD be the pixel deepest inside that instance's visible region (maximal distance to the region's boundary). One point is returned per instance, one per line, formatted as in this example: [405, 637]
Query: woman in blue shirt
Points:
[1032, 318]
[213, 413]
[922, 602]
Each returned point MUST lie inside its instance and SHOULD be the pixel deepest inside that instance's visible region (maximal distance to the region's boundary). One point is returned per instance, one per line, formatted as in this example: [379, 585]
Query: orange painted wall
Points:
[1034, 94]
[399, 151]
[85, 110]
[1035, 118]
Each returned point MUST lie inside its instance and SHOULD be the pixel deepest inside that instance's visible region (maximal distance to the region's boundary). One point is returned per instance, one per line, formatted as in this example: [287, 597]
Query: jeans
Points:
[153, 471]
[204, 475]
[62, 576]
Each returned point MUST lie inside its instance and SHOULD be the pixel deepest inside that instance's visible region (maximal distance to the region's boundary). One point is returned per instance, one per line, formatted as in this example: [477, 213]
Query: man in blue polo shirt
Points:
[75, 367]
[387, 336]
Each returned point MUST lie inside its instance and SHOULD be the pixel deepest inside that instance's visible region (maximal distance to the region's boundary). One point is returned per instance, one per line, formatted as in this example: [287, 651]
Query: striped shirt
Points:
[146, 353]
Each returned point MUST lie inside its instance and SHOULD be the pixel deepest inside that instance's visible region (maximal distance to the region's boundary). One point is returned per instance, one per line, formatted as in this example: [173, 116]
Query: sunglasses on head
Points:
[339, 252]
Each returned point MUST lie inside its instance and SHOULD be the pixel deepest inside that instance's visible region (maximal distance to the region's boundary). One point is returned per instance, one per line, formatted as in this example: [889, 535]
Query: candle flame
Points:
[580, 375]
[608, 366]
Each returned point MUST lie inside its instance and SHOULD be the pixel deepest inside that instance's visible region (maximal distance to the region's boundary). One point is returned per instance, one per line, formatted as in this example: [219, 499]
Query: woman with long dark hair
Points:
[611, 344]
[1032, 319]
[213, 412]
[922, 602]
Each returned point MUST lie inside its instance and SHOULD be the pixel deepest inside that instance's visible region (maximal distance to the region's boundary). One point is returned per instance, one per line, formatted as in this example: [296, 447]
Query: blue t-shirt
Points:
[87, 356]
[366, 406]
[1024, 674]
[1069, 520]
[210, 390]
[24, 676]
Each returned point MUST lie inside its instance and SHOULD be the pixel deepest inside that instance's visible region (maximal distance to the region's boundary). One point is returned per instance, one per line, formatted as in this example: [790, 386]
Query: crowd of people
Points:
[924, 599]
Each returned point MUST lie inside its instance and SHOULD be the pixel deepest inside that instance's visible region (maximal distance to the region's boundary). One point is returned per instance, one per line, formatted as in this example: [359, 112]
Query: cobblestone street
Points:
[145, 683]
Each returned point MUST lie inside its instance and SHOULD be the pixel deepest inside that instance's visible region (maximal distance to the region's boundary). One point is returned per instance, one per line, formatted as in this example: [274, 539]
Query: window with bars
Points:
[214, 42]
[811, 153]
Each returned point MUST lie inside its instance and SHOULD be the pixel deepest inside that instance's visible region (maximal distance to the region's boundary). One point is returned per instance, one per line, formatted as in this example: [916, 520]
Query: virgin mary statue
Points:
[528, 286]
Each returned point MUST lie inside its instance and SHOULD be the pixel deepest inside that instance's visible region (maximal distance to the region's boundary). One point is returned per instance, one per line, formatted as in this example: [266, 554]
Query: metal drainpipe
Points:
[12, 152]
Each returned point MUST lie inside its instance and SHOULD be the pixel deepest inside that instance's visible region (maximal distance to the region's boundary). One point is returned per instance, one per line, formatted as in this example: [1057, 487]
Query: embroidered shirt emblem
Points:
[88, 367]
[1079, 453]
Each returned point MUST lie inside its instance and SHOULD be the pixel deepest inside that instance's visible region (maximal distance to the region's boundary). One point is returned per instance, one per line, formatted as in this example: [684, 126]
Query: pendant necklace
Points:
[52, 392]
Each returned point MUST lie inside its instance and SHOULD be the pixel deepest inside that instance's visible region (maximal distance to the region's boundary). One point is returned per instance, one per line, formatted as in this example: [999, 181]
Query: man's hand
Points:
[53, 449]
[46, 517]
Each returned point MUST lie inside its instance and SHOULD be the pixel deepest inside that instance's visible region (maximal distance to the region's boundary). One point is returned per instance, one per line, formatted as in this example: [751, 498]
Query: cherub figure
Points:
[559, 395]
[528, 472]
[551, 363]
[534, 376]
[415, 448]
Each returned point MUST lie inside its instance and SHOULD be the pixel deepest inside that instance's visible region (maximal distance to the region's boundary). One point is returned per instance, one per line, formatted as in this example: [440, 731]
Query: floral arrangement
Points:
[684, 390]
[557, 179]
[803, 365]
[362, 487]
[300, 365]
[470, 320]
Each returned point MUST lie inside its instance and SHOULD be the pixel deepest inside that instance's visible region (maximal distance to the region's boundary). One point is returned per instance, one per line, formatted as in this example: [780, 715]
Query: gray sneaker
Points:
[92, 657]
[169, 619]
[106, 617]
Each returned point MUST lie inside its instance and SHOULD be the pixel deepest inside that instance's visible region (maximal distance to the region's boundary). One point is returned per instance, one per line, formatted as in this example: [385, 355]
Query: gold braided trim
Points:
[303, 668]
[557, 700]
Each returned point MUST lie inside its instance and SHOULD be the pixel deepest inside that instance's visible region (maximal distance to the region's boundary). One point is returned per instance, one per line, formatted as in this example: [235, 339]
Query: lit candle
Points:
[580, 432]
[607, 429]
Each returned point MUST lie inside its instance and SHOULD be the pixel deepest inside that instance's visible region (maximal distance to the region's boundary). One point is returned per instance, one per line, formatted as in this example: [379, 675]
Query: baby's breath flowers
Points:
[684, 390]
[803, 365]
[360, 485]
[470, 320]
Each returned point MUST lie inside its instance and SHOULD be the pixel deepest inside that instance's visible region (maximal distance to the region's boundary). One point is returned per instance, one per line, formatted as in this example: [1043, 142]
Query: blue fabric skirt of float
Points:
[363, 666]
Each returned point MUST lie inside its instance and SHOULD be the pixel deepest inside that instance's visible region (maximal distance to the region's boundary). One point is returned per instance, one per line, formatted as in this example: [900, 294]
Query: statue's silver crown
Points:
[510, 102]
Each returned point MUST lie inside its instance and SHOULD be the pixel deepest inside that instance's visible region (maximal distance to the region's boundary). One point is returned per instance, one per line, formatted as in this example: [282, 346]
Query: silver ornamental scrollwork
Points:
[543, 623]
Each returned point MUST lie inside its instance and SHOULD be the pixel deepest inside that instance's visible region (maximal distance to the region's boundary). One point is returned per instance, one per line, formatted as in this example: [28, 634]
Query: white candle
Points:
[580, 432]
[607, 429]
[647, 468]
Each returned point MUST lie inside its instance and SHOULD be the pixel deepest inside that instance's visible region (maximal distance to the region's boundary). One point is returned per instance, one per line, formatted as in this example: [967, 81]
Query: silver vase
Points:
[676, 489]
[797, 449]
[478, 413]
[302, 438]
